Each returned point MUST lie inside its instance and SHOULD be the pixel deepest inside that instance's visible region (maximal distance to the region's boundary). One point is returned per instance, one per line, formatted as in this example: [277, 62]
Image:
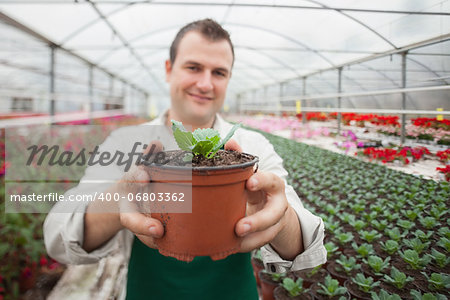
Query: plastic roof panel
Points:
[275, 41]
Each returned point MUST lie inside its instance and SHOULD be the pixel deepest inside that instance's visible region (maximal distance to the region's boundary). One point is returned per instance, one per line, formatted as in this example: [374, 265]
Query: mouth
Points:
[200, 97]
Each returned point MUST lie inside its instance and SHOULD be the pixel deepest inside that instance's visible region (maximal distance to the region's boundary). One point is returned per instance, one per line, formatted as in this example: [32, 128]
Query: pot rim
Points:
[254, 161]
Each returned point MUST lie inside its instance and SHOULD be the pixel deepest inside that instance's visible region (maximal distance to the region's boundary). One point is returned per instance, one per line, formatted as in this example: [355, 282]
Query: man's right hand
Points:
[101, 227]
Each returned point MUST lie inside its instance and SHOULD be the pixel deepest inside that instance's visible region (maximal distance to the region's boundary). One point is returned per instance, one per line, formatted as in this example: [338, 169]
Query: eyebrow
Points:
[189, 62]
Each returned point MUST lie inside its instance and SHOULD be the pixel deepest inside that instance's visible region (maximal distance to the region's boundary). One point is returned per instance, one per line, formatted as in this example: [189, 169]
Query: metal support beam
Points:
[110, 91]
[266, 99]
[52, 81]
[350, 110]
[278, 100]
[403, 133]
[91, 92]
[339, 104]
[239, 103]
[303, 102]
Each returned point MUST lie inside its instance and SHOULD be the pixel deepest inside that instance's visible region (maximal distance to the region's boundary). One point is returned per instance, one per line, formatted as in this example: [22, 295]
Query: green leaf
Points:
[206, 134]
[184, 139]
[203, 148]
[229, 135]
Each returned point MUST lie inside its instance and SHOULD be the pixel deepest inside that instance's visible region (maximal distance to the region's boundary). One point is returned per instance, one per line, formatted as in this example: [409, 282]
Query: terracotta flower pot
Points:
[267, 286]
[218, 202]
[257, 265]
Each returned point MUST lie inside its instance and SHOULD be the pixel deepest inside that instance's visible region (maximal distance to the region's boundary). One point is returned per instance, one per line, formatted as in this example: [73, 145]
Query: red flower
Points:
[43, 261]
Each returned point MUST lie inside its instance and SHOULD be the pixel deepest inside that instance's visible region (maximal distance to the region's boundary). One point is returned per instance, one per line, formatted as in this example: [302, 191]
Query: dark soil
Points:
[404, 292]
[309, 279]
[340, 276]
[221, 158]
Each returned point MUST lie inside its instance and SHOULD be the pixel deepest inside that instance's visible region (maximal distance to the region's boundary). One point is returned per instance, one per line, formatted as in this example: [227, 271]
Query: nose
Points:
[204, 82]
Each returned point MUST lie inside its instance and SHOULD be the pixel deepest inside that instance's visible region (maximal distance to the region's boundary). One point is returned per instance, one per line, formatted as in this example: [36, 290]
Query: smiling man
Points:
[198, 72]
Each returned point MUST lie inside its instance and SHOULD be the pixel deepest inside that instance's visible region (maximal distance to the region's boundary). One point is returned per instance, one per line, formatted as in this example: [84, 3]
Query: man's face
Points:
[198, 78]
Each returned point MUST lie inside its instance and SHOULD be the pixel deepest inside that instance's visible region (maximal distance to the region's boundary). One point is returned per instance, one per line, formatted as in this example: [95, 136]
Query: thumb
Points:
[233, 145]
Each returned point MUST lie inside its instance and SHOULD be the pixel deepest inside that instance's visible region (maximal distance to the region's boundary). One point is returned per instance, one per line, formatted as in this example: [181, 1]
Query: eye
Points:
[193, 68]
[220, 73]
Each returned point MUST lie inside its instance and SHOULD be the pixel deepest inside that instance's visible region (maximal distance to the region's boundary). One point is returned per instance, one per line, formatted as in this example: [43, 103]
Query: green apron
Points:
[154, 276]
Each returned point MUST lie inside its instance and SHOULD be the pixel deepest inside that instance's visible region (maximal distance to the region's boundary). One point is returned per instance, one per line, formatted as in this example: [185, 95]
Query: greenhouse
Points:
[126, 127]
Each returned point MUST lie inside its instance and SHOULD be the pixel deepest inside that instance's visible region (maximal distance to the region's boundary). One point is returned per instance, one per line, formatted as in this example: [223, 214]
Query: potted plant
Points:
[269, 281]
[291, 290]
[360, 287]
[218, 194]
[330, 289]
[257, 264]
[398, 282]
[343, 268]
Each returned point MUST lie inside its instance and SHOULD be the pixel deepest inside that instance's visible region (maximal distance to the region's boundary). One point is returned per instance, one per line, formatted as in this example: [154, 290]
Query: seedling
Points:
[203, 141]
[277, 277]
[424, 237]
[331, 288]
[416, 244]
[294, 288]
[364, 250]
[394, 234]
[331, 225]
[344, 237]
[416, 295]
[358, 224]
[379, 225]
[347, 264]
[390, 246]
[413, 259]
[314, 271]
[444, 231]
[331, 249]
[405, 224]
[441, 259]
[383, 295]
[347, 218]
[365, 284]
[444, 243]
[398, 278]
[377, 264]
[428, 222]
[438, 211]
[357, 208]
[390, 216]
[438, 281]
[411, 214]
[370, 236]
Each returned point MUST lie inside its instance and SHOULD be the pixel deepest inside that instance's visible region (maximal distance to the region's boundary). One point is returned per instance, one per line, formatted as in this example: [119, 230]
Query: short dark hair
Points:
[208, 28]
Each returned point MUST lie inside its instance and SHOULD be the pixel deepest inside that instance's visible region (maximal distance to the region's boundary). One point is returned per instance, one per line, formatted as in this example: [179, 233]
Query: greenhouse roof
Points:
[275, 41]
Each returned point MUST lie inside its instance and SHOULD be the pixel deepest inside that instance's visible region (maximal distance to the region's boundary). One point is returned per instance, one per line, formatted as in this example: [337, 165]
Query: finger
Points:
[270, 215]
[233, 145]
[265, 181]
[154, 146]
[274, 204]
[259, 239]
[142, 224]
[149, 241]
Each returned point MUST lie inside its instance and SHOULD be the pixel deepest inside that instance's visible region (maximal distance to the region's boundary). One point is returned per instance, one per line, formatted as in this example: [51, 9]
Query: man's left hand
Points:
[269, 217]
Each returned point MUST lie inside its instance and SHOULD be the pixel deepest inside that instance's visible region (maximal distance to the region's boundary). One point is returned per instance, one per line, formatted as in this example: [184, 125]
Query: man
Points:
[198, 72]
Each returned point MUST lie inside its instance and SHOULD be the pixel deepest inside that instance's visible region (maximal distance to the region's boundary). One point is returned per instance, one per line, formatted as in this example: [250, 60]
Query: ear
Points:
[168, 66]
